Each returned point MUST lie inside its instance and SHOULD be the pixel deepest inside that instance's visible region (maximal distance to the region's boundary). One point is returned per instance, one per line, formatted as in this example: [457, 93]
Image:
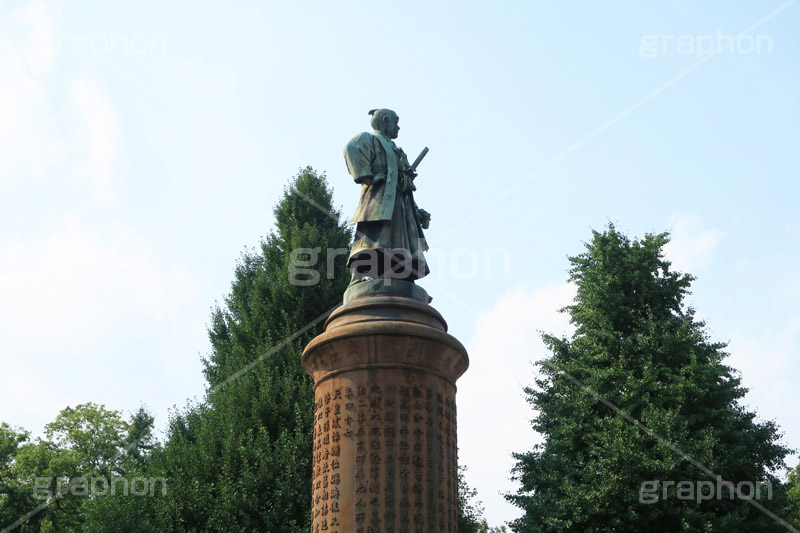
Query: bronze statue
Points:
[389, 241]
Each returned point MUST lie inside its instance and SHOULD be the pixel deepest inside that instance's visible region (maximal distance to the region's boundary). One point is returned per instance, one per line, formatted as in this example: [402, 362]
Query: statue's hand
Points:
[378, 178]
[406, 183]
[424, 218]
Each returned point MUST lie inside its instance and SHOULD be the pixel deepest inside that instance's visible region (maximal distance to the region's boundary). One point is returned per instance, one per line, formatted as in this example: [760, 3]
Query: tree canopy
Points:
[241, 460]
[640, 394]
[637, 398]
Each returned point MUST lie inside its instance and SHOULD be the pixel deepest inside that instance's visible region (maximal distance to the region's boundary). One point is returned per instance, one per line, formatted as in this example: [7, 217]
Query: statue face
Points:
[392, 129]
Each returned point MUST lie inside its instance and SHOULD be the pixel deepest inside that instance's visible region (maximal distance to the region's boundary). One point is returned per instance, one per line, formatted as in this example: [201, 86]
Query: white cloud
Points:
[35, 41]
[96, 135]
[28, 132]
[89, 311]
[767, 361]
[62, 284]
[493, 414]
[22, 387]
[691, 244]
[91, 315]
[39, 136]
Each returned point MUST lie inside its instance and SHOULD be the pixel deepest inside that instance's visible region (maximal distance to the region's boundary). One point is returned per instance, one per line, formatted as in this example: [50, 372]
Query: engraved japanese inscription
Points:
[400, 438]
[384, 444]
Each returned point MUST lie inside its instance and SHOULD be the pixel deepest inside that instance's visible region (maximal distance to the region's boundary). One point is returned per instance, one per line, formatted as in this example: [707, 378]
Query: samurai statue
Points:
[389, 241]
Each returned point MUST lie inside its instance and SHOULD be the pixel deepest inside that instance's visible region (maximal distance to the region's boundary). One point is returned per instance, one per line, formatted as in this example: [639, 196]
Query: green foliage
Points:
[84, 444]
[15, 494]
[92, 433]
[241, 461]
[793, 496]
[139, 443]
[470, 512]
[639, 348]
[137, 458]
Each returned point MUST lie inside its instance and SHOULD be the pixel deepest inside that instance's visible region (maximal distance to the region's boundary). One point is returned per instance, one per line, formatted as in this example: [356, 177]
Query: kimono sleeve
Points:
[359, 154]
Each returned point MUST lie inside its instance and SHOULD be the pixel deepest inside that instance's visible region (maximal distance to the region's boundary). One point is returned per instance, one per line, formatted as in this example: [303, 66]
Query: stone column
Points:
[385, 455]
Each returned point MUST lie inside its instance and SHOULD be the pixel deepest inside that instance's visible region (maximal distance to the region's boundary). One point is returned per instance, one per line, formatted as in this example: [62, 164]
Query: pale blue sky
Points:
[143, 145]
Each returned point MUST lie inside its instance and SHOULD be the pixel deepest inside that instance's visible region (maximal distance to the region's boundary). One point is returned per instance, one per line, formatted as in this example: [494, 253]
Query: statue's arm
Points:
[359, 154]
[424, 218]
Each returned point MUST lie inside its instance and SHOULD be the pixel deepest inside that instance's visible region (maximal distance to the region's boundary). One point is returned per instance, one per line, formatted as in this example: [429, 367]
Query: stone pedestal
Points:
[385, 414]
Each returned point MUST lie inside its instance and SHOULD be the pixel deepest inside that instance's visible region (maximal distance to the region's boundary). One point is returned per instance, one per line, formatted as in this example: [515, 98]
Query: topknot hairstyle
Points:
[380, 117]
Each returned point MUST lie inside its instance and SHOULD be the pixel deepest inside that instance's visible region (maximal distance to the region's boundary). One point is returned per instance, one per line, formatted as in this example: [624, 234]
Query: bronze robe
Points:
[388, 228]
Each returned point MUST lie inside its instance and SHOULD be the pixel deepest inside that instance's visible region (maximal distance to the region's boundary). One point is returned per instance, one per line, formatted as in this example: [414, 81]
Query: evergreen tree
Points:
[793, 496]
[470, 511]
[241, 461]
[638, 353]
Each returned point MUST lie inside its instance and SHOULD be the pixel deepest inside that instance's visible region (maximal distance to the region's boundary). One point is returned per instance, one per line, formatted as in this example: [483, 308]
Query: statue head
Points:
[385, 121]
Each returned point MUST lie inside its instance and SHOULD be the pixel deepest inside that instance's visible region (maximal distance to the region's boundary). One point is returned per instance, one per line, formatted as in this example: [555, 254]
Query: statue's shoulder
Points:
[364, 137]
[360, 146]
[363, 143]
